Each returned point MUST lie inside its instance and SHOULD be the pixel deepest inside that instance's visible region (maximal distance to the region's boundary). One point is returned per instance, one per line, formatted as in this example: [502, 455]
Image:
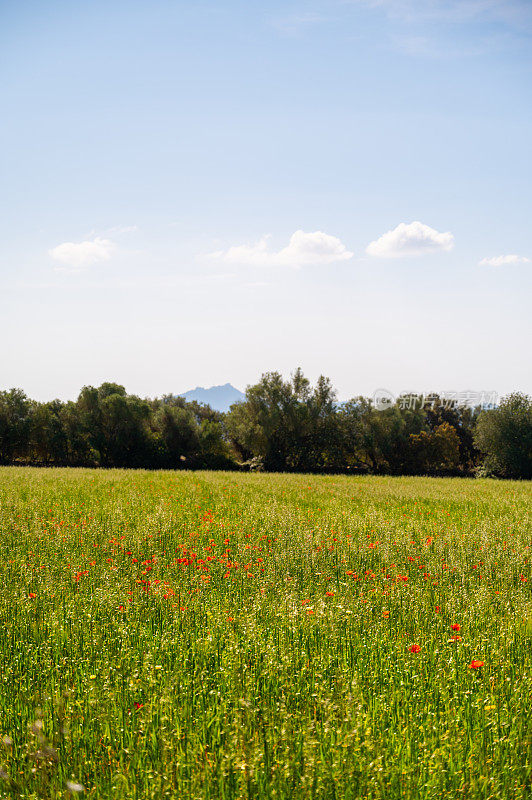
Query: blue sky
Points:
[197, 192]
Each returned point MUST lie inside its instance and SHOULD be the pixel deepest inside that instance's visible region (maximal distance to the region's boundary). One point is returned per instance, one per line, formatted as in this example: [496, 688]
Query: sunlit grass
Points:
[220, 635]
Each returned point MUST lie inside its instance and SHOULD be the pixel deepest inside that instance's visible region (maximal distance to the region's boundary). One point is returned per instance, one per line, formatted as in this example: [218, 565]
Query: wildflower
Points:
[476, 664]
[139, 706]
[437, 609]
[32, 595]
[329, 594]
[455, 627]
[75, 788]
[414, 648]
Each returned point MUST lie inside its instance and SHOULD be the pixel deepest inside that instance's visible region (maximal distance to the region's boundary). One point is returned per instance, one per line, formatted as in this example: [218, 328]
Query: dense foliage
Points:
[215, 635]
[106, 427]
[284, 426]
[505, 436]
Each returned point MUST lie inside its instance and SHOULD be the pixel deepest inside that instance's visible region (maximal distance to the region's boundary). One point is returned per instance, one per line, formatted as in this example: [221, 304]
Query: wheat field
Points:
[227, 635]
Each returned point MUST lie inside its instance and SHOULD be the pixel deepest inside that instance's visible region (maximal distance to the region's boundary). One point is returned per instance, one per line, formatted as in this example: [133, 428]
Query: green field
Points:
[223, 635]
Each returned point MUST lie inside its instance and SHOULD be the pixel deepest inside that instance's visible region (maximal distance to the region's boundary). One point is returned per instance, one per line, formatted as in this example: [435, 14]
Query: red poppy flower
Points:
[414, 648]
[32, 595]
[455, 627]
[476, 664]
[329, 594]
[139, 705]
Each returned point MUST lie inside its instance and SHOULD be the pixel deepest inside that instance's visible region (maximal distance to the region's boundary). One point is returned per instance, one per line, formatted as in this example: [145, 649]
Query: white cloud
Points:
[414, 239]
[500, 261]
[82, 254]
[303, 249]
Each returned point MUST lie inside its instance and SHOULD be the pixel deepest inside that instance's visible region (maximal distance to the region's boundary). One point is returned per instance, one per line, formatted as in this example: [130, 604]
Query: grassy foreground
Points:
[219, 635]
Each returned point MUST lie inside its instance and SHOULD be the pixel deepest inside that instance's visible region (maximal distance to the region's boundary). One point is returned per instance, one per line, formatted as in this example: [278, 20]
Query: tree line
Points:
[282, 425]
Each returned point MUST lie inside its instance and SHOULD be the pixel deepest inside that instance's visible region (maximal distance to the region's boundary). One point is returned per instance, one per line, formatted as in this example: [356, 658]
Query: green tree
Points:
[504, 436]
[378, 441]
[86, 425]
[48, 437]
[80, 451]
[15, 425]
[437, 451]
[177, 434]
[463, 419]
[126, 433]
[265, 424]
[287, 424]
[111, 428]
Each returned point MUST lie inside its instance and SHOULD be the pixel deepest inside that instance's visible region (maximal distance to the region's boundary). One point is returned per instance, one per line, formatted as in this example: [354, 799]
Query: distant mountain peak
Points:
[218, 397]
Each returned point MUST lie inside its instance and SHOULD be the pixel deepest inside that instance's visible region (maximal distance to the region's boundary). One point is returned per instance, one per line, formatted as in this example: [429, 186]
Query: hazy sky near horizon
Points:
[198, 192]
